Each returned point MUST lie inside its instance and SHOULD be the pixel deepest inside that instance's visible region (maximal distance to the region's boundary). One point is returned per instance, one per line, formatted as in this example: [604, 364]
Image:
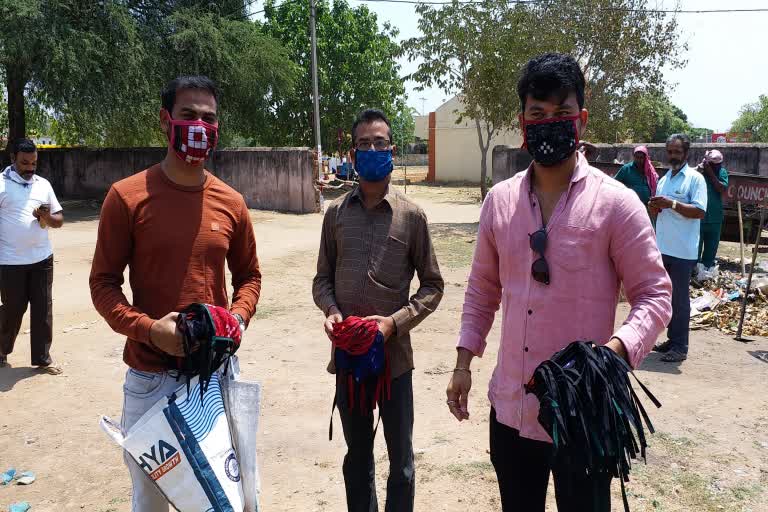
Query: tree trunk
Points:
[483, 171]
[483, 158]
[15, 83]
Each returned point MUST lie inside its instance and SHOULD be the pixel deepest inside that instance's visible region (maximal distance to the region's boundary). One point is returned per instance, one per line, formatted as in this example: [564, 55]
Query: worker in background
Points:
[717, 183]
[679, 207]
[640, 175]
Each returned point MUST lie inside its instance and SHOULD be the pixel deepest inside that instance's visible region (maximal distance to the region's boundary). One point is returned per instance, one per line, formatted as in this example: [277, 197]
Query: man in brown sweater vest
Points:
[174, 225]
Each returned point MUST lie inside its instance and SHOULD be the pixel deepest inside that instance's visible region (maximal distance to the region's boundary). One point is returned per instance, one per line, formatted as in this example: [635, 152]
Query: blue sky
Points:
[726, 63]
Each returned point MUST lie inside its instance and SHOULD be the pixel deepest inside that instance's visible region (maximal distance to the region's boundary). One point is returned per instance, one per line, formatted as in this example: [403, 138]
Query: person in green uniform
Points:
[639, 175]
[717, 183]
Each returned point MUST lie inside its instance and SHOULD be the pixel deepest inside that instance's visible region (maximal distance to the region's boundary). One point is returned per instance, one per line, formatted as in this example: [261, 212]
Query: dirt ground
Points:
[710, 452]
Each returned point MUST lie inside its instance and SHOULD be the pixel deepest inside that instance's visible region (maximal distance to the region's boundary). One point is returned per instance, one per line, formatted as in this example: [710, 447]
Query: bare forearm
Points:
[689, 211]
[463, 357]
[715, 181]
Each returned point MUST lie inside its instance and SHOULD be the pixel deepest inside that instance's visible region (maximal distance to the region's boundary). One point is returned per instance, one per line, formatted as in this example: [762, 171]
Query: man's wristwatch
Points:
[674, 205]
[240, 321]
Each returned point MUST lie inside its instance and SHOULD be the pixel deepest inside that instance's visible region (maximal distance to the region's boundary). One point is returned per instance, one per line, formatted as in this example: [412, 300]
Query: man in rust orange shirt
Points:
[175, 226]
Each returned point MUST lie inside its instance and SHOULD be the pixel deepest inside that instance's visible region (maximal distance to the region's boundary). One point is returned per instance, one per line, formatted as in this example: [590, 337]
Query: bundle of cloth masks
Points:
[211, 336]
[590, 410]
[360, 357]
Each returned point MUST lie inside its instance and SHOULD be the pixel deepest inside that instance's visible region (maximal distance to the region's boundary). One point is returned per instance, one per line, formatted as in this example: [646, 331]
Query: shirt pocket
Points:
[570, 248]
[389, 262]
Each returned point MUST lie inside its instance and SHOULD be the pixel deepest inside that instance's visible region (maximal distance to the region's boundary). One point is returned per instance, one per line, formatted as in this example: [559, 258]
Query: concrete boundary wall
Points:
[278, 179]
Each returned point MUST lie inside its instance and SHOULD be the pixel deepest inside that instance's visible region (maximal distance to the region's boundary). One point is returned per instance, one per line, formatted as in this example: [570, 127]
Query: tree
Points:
[477, 51]
[622, 48]
[251, 68]
[94, 69]
[357, 69]
[753, 118]
[653, 119]
[70, 56]
[403, 127]
[462, 52]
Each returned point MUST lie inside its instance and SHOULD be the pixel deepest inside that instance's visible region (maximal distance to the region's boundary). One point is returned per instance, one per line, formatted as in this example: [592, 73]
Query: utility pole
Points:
[315, 98]
[423, 105]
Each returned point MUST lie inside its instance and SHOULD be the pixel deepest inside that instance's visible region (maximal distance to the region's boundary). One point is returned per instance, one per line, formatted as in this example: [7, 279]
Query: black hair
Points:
[23, 146]
[683, 138]
[182, 83]
[551, 75]
[368, 116]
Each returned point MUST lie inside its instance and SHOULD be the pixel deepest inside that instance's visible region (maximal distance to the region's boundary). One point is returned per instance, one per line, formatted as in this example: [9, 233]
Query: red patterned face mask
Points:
[193, 141]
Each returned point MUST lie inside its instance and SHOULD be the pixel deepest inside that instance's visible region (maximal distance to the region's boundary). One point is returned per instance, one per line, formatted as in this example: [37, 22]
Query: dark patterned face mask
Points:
[551, 141]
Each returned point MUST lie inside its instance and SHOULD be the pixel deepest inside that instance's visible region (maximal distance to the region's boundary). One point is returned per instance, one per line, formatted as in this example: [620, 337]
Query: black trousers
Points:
[522, 468]
[679, 271]
[359, 468]
[22, 285]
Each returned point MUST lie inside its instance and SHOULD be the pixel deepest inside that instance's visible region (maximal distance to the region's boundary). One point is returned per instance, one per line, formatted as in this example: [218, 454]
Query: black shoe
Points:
[663, 348]
[673, 356]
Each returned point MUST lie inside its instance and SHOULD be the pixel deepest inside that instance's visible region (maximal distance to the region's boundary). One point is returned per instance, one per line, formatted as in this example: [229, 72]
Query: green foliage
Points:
[622, 49]
[477, 50]
[403, 127]
[94, 70]
[653, 119]
[753, 118]
[357, 69]
[249, 67]
[468, 49]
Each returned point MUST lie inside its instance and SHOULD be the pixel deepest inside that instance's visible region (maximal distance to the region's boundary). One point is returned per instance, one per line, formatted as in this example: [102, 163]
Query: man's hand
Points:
[386, 325]
[334, 316]
[165, 335]
[457, 394]
[42, 212]
[617, 346]
[660, 203]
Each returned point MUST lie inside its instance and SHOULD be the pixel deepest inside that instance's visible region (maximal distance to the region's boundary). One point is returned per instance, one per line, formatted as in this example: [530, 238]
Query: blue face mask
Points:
[373, 165]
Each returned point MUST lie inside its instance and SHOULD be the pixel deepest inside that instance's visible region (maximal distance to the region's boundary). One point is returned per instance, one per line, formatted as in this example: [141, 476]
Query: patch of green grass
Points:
[675, 446]
[454, 243]
[264, 311]
[468, 469]
[440, 438]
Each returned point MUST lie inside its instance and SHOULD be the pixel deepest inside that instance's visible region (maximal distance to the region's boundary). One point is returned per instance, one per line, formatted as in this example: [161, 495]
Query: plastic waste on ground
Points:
[706, 273]
[729, 287]
[21, 506]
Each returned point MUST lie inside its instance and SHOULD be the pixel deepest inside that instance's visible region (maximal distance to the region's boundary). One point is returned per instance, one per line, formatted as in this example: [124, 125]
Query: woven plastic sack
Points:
[183, 444]
[242, 401]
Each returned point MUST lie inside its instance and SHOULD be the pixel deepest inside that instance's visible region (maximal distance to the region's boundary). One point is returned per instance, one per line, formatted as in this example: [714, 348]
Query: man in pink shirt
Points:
[554, 244]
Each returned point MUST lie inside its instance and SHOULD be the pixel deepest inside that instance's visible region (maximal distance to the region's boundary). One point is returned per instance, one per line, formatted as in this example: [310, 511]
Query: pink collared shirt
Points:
[599, 236]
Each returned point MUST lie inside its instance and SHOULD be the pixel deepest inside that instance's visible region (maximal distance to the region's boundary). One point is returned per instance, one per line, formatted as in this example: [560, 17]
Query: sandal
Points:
[663, 348]
[50, 370]
[674, 357]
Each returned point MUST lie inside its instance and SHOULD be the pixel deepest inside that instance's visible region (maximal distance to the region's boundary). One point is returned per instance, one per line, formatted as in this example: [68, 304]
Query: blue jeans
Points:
[679, 271]
[141, 391]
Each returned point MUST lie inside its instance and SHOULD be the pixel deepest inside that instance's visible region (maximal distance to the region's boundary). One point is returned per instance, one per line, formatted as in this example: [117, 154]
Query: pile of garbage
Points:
[716, 299]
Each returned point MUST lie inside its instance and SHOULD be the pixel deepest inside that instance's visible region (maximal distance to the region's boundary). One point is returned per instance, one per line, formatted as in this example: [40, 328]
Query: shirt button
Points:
[530, 311]
[526, 349]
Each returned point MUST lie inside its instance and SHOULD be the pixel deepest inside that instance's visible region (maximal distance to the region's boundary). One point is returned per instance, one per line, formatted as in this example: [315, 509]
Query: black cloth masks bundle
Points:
[211, 336]
[590, 410]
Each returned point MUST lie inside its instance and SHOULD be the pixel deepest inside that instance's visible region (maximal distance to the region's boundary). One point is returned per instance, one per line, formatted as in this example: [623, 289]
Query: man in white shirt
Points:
[28, 206]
